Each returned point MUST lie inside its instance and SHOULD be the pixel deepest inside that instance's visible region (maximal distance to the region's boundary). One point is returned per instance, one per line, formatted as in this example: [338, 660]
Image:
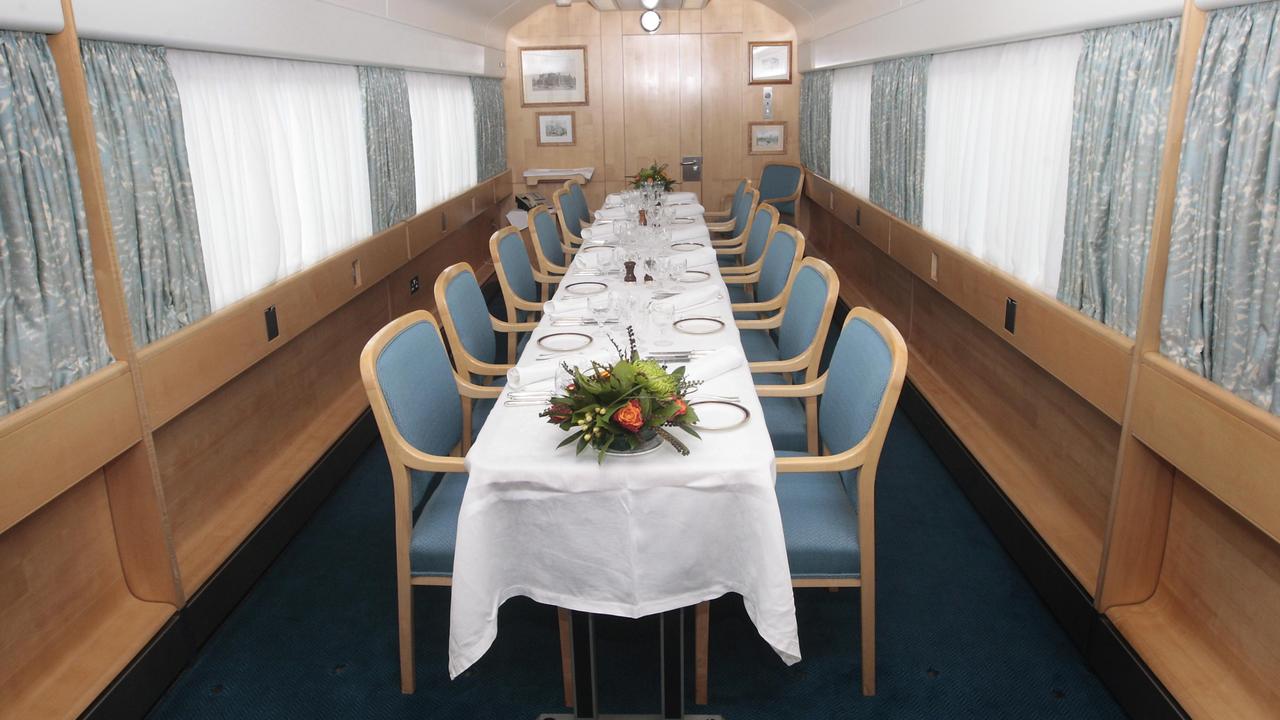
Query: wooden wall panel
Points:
[652, 101]
[724, 132]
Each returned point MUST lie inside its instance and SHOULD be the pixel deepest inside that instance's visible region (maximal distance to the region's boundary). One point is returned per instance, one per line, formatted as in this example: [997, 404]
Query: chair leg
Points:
[404, 602]
[701, 643]
[566, 655]
[811, 425]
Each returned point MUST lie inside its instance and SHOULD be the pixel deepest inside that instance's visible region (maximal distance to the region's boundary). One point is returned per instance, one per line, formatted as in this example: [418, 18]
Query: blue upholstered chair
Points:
[524, 289]
[787, 347]
[780, 185]
[734, 230]
[579, 198]
[417, 401]
[748, 257]
[722, 215]
[470, 329]
[828, 500]
[552, 254]
[569, 216]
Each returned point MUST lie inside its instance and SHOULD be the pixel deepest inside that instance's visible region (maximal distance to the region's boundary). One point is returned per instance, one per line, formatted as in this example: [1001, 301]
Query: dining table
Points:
[626, 535]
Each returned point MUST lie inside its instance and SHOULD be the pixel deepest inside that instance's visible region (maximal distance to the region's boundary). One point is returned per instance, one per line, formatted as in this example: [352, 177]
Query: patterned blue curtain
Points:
[138, 120]
[388, 131]
[50, 324]
[491, 126]
[1120, 112]
[1222, 292]
[898, 101]
[815, 121]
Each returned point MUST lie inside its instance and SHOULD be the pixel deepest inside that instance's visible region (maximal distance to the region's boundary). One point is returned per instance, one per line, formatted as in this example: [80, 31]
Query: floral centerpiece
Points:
[656, 174]
[625, 407]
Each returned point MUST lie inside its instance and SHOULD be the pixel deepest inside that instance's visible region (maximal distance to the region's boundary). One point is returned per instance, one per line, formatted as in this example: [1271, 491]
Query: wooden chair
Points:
[748, 257]
[518, 279]
[795, 352]
[566, 213]
[469, 327]
[417, 399]
[552, 254]
[757, 294]
[721, 215]
[736, 227]
[780, 185]
[574, 186]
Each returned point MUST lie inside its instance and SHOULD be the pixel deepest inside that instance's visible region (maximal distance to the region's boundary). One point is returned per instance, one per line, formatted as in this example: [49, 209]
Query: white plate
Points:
[719, 414]
[564, 341]
[698, 325]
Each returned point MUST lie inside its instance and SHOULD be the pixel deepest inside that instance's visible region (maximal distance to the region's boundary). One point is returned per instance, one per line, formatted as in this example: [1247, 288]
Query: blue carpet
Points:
[961, 633]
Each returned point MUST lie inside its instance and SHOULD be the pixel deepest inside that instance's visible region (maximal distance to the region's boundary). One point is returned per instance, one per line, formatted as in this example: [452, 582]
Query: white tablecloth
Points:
[631, 537]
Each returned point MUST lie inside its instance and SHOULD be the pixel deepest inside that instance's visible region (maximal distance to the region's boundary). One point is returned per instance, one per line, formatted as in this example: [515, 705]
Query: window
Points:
[444, 136]
[278, 165]
[851, 129]
[997, 148]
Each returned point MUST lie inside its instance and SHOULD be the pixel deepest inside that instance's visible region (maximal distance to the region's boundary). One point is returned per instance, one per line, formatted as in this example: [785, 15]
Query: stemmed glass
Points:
[663, 313]
[602, 307]
[676, 267]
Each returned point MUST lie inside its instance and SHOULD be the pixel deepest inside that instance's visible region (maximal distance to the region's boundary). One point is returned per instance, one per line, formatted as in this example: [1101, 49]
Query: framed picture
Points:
[556, 128]
[767, 138]
[770, 63]
[553, 75]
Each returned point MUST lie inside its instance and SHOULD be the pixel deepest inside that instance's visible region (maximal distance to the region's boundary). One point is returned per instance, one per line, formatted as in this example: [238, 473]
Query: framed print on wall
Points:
[770, 62]
[766, 137]
[556, 128]
[553, 75]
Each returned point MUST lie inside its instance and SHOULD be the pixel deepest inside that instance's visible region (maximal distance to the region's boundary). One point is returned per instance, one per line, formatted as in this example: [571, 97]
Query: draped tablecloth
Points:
[633, 536]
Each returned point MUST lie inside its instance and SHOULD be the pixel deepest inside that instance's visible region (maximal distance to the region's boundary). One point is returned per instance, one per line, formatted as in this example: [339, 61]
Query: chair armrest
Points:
[761, 306]
[725, 226]
[418, 460]
[509, 327]
[471, 390]
[795, 364]
[768, 323]
[809, 389]
[847, 460]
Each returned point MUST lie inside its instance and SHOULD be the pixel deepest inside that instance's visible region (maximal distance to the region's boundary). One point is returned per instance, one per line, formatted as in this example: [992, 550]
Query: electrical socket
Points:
[414, 284]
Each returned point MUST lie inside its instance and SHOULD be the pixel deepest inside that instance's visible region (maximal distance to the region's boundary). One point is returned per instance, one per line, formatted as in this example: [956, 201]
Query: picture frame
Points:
[770, 62]
[767, 137]
[556, 128]
[554, 75]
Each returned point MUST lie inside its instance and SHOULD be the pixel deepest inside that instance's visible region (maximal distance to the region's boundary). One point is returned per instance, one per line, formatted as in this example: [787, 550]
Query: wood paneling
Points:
[652, 101]
[724, 132]
[1210, 631]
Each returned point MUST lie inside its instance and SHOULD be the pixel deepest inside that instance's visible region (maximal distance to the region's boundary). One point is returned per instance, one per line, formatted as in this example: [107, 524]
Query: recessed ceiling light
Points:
[650, 21]
[649, 4]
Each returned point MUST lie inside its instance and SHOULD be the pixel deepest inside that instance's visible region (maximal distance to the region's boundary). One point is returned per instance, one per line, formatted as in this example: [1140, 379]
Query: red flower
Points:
[629, 416]
[681, 407]
[557, 414]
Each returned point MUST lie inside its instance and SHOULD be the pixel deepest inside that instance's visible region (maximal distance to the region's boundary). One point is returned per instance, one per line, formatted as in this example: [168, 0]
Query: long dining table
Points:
[631, 536]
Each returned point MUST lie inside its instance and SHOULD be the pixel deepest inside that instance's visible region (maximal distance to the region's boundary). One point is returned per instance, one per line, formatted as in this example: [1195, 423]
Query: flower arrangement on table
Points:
[626, 406]
[656, 174]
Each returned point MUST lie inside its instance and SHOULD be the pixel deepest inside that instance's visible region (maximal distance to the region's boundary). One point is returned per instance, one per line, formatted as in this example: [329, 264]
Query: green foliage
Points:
[655, 173]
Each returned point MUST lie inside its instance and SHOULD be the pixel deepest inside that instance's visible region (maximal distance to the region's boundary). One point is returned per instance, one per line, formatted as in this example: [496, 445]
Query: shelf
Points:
[70, 624]
[1209, 631]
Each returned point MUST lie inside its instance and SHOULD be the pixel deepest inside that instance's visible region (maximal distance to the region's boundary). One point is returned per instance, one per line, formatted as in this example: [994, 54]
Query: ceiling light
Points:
[649, 4]
[650, 21]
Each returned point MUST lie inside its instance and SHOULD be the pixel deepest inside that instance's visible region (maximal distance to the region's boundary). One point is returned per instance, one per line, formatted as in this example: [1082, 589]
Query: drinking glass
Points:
[663, 313]
[601, 306]
[676, 267]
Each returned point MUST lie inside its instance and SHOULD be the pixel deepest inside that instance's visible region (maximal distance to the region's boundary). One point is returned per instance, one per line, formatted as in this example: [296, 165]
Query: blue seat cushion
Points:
[738, 293]
[431, 546]
[784, 417]
[759, 345]
[820, 524]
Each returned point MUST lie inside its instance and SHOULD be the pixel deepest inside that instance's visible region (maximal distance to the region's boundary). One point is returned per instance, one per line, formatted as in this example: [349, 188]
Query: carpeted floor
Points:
[961, 633]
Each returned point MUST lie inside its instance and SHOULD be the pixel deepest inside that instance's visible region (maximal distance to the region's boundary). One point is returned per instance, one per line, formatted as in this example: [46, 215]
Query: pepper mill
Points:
[630, 265]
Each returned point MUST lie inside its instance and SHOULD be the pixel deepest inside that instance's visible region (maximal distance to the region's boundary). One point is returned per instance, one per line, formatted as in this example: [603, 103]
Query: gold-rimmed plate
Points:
[597, 246]
[694, 276]
[586, 287]
[719, 414]
[564, 341]
[698, 325]
[686, 246]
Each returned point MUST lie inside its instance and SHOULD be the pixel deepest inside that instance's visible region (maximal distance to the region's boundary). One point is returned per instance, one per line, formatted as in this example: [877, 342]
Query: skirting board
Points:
[1108, 654]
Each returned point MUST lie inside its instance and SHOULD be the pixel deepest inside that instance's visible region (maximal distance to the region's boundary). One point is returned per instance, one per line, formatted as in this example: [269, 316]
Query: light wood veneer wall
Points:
[680, 92]
[124, 492]
[1155, 487]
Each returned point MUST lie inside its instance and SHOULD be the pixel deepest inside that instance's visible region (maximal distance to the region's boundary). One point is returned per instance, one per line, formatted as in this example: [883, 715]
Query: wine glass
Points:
[601, 306]
[663, 313]
[676, 267]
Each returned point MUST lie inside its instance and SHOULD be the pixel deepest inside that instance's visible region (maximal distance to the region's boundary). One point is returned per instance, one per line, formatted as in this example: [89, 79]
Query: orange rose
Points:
[681, 407]
[629, 416]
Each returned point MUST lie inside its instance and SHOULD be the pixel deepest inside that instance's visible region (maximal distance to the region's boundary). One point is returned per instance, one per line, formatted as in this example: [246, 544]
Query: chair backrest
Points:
[466, 319]
[579, 200]
[514, 270]
[411, 387]
[546, 238]
[864, 380]
[807, 317]
[762, 227]
[743, 184]
[742, 209]
[570, 221]
[780, 185]
[781, 261]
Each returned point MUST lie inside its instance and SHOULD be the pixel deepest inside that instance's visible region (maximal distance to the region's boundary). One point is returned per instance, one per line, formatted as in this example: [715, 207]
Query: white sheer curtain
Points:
[278, 165]
[996, 153]
[851, 129]
[444, 136]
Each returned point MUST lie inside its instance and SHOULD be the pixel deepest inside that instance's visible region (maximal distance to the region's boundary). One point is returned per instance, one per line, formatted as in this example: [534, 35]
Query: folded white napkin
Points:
[565, 306]
[700, 259]
[611, 213]
[519, 378]
[686, 233]
[694, 298]
[690, 210]
[599, 233]
[714, 364]
[682, 197]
